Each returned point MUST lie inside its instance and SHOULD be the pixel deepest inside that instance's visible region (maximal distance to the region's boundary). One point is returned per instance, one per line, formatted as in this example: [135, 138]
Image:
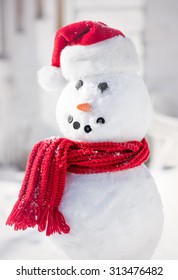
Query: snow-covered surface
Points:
[168, 187]
[122, 57]
[118, 104]
[30, 244]
[114, 215]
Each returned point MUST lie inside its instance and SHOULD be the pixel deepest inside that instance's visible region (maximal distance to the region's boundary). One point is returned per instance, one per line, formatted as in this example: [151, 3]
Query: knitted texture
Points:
[44, 182]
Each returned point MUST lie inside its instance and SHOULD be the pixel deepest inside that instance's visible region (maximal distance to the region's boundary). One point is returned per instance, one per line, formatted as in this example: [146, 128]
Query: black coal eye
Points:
[103, 86]
[100, 120]
[79, 84]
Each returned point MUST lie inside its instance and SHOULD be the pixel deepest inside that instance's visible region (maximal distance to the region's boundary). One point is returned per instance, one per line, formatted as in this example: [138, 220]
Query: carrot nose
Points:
[85, 107]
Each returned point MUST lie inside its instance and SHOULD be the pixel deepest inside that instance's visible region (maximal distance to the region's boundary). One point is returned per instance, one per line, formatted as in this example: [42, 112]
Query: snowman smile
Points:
[76, 125]
[87, 128]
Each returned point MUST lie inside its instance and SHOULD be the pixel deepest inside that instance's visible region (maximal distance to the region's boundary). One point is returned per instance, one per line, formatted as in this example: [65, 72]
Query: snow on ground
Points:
[30, 244]
[14, 245]
[167, 182]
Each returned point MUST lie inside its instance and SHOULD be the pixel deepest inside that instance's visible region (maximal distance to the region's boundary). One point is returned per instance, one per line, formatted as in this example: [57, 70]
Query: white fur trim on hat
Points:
[115, 55]
[50, 78]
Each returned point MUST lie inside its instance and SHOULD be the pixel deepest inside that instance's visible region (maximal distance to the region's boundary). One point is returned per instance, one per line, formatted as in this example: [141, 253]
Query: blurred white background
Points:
[27, 114]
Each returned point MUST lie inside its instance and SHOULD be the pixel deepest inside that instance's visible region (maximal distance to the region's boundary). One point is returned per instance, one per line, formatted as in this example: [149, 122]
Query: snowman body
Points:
[114, 215]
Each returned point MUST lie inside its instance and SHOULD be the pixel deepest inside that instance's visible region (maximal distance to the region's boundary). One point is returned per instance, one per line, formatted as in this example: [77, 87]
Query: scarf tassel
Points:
[52, 220]
[22, 217]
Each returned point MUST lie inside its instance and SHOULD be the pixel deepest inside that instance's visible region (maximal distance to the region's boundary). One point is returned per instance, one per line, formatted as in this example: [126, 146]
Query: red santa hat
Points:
[88, 48]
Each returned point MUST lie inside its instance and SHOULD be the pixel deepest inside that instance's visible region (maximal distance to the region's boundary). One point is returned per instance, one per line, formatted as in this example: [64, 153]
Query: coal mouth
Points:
[87, 128]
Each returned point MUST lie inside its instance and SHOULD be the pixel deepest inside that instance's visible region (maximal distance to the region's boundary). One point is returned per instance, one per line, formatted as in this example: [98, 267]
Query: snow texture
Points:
[16, 245]
[124, 105]
[115, 55]
[112, 215]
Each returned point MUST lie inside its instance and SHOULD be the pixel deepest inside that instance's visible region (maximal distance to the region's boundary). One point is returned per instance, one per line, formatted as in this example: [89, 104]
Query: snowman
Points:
[111, 206]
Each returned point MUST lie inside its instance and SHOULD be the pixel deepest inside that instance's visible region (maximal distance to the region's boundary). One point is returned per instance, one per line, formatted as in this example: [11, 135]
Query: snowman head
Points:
[104, 99]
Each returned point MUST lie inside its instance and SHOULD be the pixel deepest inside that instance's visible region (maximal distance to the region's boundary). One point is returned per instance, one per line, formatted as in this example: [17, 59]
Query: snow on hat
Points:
[88, 48]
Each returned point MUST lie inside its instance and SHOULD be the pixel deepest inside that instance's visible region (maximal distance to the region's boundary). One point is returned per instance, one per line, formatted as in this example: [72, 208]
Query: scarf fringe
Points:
[56, 222]
[52, 220]
[22, 217]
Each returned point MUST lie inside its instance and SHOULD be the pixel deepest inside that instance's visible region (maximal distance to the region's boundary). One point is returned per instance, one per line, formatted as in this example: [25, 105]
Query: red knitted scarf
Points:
[44, 182]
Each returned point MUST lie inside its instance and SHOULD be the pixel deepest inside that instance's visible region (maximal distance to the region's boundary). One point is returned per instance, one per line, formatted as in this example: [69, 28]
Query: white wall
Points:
[26, 113]
[162, 54]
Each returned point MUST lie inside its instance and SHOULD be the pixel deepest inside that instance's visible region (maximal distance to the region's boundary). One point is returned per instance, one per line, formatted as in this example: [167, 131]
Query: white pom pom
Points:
[50, 78]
